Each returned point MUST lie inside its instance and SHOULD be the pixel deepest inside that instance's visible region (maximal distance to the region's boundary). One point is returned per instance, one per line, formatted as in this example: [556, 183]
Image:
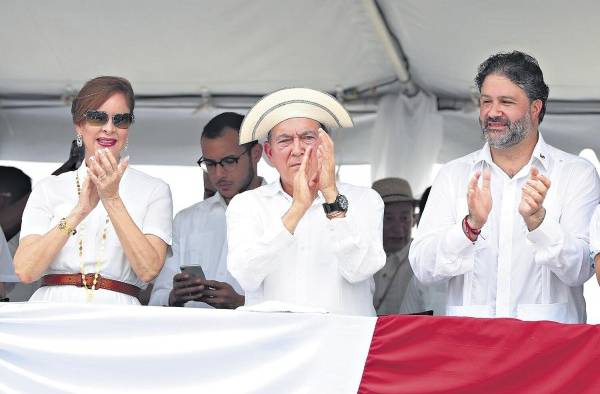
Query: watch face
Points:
[342, 201]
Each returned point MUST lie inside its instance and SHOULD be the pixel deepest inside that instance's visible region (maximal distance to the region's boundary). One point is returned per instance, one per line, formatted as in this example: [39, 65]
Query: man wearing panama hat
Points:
[304, 239]
[391, 282]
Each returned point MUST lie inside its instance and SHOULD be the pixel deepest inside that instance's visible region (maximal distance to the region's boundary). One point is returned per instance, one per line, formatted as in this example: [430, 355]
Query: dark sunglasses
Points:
[99, 118]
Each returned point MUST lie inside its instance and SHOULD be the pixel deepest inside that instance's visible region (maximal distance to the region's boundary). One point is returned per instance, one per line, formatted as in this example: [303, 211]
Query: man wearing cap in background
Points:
[399, 216]
[304, 239]
[199, 231]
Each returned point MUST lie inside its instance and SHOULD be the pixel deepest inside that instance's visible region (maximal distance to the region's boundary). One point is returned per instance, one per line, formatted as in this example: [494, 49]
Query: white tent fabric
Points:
[203, 49]
[60, 348]
[163, 47]
[407, 137]
[445, 41]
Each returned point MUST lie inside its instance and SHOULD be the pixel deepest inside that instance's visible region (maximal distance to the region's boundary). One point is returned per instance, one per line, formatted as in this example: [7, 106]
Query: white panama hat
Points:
[290, 103]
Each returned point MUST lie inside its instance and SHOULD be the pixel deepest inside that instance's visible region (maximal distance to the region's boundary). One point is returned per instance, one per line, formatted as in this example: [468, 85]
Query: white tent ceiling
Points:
[445, 41]
[184, 46]
[230, 49]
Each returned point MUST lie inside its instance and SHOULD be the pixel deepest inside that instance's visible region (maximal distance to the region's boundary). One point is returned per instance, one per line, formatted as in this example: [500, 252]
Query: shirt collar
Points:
[217, 199]
[540, 155]
[273, 188]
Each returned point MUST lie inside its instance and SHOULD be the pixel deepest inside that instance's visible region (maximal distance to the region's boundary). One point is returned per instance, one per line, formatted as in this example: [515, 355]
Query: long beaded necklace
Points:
[99, 256]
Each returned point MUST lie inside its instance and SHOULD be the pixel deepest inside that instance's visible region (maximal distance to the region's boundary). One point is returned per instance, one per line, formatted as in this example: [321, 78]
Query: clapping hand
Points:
[106, 173]
[326, 165]
[532, 198]
[306, 180]
[88, 197]
[479, 199]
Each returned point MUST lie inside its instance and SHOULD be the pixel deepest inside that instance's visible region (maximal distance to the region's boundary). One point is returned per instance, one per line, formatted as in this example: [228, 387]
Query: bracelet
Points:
[593, 253]
[63, 226]
[335, 214]
[469, 231]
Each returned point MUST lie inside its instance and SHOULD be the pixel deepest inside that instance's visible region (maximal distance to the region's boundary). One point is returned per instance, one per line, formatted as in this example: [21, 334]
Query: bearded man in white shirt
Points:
[199, 231]
[508, 225]
[304, 239]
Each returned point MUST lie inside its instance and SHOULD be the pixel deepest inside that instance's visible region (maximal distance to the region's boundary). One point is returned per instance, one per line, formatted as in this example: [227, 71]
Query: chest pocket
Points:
[553, 204]
[555, 196]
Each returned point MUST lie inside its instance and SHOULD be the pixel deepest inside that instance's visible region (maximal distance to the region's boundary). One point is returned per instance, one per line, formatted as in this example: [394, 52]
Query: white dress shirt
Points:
[509, 271]
[148, 201]
[199, 238]
[326, 264]
[595, 233]
[391, 282]
[7, 270]
[420, 297]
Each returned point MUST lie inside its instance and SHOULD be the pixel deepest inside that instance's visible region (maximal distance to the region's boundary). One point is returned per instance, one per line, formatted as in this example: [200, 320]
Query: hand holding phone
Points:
[189, 285]
[193, 271]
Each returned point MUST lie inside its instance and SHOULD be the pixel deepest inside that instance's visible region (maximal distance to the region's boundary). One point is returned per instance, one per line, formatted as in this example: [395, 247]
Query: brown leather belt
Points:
[102, 283]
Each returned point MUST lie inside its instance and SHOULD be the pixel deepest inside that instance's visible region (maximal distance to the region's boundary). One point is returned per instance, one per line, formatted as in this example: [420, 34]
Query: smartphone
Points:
[193, 270]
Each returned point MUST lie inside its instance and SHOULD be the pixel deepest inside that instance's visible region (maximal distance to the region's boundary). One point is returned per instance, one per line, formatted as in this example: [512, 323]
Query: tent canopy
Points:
[189, 60]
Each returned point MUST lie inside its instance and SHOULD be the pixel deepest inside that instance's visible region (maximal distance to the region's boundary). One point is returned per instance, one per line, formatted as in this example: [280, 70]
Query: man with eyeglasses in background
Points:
[200, 231]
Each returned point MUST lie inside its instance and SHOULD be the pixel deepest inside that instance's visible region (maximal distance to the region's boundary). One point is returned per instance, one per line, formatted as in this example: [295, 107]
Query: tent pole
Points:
[392, 47]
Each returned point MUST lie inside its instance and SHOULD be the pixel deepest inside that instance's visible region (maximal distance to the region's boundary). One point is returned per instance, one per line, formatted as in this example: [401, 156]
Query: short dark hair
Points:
[15, 182]
[217, 125]
[522, 69]
[96, 91]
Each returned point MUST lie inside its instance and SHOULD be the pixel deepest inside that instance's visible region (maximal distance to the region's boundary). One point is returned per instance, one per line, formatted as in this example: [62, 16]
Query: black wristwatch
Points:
[339, 205]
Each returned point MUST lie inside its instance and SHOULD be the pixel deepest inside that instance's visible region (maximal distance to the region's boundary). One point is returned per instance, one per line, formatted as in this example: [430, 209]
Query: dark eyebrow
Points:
[499, 97]
[282, 136]
[222, 158]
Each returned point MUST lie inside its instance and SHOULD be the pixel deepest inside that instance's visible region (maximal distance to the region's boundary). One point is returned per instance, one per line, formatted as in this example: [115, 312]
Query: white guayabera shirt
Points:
[595, 233]
[509, 271]
[7, 271]
[327, 264]
[199, 238]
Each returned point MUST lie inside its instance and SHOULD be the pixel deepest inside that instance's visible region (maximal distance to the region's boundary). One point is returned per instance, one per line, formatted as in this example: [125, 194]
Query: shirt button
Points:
[384, 275]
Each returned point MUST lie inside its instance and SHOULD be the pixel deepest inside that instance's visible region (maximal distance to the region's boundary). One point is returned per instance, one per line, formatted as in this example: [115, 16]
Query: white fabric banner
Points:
[60, 348]
[407, 139]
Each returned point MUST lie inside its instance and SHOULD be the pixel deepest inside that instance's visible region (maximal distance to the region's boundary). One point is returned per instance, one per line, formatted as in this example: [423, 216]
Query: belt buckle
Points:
[89, 281]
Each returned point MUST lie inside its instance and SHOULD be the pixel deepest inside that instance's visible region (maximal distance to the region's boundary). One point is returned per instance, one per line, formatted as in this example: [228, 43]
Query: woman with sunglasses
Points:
[100, 233]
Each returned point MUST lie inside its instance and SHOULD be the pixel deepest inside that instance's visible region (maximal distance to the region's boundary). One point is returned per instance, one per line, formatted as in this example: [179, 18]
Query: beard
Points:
[516, 131]
[248, 181]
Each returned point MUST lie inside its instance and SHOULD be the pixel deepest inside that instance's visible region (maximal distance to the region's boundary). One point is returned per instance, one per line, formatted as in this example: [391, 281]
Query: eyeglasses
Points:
[99, 118]
[228, 163]
[307, 139]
